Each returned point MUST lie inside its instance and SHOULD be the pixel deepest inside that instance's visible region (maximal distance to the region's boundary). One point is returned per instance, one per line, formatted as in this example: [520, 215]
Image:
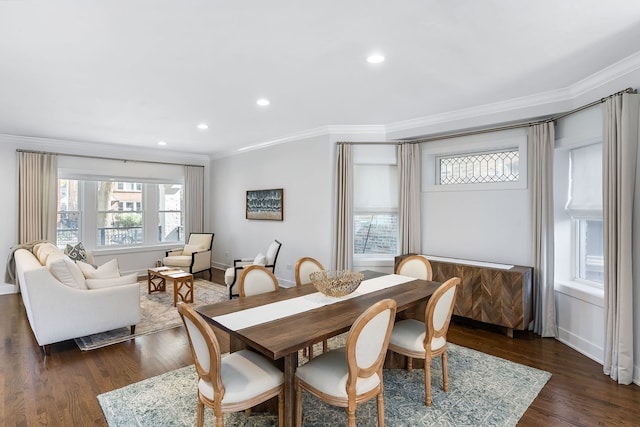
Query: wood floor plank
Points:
[62, 390]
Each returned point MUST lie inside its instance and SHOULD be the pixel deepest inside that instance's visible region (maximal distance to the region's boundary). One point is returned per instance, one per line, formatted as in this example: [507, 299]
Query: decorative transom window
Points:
[495, 166]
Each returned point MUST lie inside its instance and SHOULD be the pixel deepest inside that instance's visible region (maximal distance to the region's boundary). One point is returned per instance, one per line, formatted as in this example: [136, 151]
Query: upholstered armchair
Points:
[232, 274]
[194, 257]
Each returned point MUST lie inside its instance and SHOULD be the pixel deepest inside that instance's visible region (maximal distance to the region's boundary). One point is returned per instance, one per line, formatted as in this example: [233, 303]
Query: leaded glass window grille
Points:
[495, 166]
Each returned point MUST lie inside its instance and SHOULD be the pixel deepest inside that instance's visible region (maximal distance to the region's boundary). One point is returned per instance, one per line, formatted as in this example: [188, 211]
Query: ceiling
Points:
[138, 72]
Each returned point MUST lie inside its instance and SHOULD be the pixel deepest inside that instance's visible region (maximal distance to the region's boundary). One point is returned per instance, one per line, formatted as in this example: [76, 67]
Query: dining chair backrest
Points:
[204, 347]
[368, 340]
[304, 267]
[256, 279]
[438, 312]
[415, 266]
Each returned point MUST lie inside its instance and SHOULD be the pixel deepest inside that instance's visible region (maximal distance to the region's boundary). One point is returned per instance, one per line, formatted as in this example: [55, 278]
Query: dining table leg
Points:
[290, 365]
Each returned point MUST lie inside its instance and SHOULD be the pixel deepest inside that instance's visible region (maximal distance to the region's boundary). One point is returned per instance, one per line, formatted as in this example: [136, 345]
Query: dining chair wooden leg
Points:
[380, 409]
[409, 364]
[351, 416]
[200, 414]
[219, 417]
[445, 372]
[298, 403]
[427, 380]
[281, 408]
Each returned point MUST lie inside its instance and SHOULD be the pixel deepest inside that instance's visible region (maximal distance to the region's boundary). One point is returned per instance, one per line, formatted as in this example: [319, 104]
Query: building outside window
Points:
[375, 220]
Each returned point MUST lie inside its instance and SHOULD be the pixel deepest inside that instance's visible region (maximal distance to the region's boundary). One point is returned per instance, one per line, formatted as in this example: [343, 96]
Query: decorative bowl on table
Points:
[336, 283]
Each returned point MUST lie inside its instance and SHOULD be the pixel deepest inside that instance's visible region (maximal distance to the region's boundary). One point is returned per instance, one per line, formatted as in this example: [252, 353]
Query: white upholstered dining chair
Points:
[256, 279]
[425, 340]
[351, 375]
[415, 266]
[237, 382]
[304, 267]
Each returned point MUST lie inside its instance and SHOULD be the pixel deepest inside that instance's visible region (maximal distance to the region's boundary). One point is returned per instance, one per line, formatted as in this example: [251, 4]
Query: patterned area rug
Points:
[158, 313]
[483, 391]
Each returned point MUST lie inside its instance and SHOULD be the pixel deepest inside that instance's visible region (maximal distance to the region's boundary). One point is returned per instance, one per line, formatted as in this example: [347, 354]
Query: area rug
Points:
[158, 314]
[483, 391]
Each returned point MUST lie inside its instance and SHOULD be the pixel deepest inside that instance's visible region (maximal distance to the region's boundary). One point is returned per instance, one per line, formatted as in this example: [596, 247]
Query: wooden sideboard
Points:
[489, 294]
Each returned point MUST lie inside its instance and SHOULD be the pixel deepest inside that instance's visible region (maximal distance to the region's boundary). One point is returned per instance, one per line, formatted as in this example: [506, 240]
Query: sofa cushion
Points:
[77, 252]
[260, 260]
[43, 250]
[109, 283]
[108, 270]
[65, 270]
[189, 249]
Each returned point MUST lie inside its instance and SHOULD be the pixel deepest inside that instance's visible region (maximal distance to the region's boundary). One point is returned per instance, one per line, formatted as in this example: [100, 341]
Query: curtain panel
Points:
[343, 241]
[619, 159]
[37, 196]
[194, 199]
[541, 142]
[409, 198]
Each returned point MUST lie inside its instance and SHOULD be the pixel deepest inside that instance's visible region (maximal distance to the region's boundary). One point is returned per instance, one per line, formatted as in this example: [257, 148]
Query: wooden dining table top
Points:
[279, 338]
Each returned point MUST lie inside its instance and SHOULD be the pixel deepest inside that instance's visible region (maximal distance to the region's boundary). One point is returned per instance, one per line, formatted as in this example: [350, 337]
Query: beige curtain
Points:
[409, 198]
[37, 196]
[541, 145]
[194, 199]
[619, 152]
[343, 249]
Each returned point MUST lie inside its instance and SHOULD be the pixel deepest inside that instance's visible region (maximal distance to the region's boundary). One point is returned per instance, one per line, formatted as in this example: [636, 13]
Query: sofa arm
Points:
[201, 261]
[174, 252]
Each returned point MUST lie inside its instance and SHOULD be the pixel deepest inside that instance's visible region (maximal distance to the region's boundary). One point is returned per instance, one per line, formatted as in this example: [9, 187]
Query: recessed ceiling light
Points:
[375, 59]
[203, 126]
[162, 143]
[263, 102]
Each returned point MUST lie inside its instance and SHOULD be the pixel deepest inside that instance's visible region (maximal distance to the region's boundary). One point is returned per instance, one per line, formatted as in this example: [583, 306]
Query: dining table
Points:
[280, 323]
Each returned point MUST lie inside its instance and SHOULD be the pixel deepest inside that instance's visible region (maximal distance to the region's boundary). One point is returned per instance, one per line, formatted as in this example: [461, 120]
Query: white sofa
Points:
[59, 312]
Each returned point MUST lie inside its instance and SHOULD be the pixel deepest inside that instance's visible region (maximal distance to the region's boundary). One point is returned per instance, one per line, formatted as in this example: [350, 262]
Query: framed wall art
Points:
[265, 204]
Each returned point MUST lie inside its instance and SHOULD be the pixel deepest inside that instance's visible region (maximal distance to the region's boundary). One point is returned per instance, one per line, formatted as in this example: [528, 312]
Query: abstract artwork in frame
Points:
[265, 204]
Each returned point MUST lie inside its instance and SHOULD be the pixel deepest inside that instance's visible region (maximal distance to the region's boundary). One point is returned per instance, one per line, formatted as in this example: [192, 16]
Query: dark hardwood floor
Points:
[61, 390]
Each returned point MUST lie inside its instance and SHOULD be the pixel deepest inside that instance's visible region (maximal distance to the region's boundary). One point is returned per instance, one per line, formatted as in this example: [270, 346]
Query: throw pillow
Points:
[109, 283]
[189, 249]
[66, 271]
[108, 270]
[260, 260]
[77, 252]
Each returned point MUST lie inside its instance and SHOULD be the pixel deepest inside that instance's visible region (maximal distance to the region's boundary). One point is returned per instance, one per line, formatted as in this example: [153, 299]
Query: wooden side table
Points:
[182, 283]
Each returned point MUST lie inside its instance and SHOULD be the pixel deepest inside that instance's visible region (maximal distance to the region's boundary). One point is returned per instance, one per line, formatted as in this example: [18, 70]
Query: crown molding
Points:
[81, 148]
[556, 97]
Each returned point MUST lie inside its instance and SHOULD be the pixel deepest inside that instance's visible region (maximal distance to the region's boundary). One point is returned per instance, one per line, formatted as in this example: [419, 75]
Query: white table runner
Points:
[277, 310]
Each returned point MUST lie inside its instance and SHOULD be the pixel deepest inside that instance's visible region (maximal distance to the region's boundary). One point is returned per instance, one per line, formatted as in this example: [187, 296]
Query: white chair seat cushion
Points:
[177, 261]
[245, 375]
[410, 334]
[329, 373]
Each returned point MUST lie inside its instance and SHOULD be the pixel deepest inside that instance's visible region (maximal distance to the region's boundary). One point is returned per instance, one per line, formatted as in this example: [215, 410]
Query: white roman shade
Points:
[585, 185]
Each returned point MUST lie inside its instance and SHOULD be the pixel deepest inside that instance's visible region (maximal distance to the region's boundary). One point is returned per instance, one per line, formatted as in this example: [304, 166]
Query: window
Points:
[584, 206]
[68, 221]
[119, 223]
[375, 220]
[123, 214]
[495, 166]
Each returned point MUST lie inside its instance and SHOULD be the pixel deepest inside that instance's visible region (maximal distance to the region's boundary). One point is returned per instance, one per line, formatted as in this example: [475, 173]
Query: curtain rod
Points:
[106, 158]
[493, 129]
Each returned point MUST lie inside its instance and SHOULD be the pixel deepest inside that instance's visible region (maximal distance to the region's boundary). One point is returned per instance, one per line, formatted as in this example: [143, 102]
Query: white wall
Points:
[482, 222]
[304, 169]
